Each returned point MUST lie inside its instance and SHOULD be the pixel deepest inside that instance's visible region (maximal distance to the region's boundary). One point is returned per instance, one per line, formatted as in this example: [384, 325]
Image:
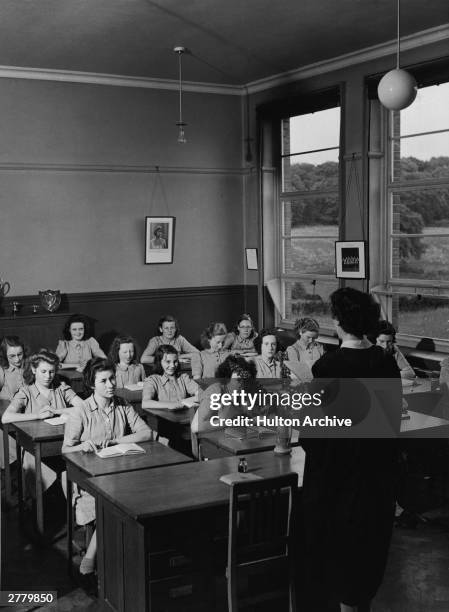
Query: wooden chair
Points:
[261, 516]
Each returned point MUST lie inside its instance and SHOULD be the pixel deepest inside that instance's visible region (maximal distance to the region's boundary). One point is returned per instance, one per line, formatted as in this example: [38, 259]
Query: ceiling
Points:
[230, 41]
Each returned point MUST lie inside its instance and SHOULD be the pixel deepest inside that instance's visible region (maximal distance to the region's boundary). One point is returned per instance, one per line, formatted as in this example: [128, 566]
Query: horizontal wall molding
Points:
[116, 168]
[117, 80]
[72, 299]
[418, 39]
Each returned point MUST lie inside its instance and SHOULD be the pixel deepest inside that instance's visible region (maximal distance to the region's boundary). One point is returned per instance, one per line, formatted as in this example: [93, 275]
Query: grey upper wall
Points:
[73, 195]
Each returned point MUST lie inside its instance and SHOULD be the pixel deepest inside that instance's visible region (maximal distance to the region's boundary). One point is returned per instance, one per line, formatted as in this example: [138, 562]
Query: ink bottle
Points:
[243, 465]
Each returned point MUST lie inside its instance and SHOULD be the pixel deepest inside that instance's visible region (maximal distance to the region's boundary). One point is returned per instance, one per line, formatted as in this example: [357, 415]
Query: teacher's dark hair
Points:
[356, 312]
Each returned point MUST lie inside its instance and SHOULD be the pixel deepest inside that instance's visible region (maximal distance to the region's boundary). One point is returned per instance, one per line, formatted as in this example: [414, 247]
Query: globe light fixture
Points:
[397, 89]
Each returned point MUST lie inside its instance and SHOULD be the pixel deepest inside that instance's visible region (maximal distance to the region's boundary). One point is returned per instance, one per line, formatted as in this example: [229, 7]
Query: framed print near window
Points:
[159, 240]
[350, 259]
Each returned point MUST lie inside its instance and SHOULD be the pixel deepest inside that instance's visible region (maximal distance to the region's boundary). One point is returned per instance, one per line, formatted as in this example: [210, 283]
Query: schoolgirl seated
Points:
[167, 333]
[206, 362]
[12, 358]
[241, 339]
[167, 387]
[78, 345]
[102, 420]
[386, 338]
[268, 365]
[306, 348]
[41, 397]
[234, 373]
[123, 354]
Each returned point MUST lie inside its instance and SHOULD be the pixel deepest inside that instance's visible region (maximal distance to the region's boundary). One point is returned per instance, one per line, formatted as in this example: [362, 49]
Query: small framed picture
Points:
[350, 259]
[159, 240]
[251, 259]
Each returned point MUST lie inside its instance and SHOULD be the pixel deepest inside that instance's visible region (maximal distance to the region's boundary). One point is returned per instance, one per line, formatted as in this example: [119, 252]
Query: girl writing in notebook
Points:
[78, 345]
[205, 363]
[102, 420]
[123, 354]
[41, 397]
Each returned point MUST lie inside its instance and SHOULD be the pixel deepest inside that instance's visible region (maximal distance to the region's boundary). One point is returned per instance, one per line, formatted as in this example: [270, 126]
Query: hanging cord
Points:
[398, 50]
[158, 183]
[353, 174]
[180, 86]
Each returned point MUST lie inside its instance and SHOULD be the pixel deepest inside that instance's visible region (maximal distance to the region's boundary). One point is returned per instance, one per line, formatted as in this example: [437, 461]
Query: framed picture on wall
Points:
[350, 259]
[159, 240]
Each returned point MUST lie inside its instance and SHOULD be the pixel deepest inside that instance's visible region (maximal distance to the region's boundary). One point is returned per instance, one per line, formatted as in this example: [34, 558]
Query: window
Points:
[309, 213]
[418, 214]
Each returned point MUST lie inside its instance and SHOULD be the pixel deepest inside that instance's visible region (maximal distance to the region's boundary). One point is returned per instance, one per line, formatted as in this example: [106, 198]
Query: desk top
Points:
[424, 426]
[156, 455]
[133, 397]
[150, 493]
[180, 417]
[38, 431]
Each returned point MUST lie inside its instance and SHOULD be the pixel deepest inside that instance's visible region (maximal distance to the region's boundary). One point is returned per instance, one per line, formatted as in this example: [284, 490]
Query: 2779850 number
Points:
[9, 598]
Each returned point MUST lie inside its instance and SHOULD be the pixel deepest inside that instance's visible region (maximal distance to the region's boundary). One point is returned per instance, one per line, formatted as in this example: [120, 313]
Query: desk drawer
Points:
[172, 563]
[189, 593]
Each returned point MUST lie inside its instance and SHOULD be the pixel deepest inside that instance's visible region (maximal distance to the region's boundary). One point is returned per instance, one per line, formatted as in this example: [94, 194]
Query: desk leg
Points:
[39, 496]
[69, 527]
[7, 467]
[19, 478]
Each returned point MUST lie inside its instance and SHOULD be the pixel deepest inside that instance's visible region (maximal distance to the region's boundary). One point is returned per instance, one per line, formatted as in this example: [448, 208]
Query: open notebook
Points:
[239, 477]
[120, 449]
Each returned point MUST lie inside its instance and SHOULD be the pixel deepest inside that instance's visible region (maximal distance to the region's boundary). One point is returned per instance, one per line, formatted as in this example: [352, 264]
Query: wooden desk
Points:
[73, 378]
[235, 446]
[162, 533]
[133, 397]
[82, 466]
[424, 426]
[41, 440]
[168, 423]
[6, 431]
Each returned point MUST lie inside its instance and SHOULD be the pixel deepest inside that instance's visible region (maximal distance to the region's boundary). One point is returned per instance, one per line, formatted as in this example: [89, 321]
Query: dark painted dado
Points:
[131, 312]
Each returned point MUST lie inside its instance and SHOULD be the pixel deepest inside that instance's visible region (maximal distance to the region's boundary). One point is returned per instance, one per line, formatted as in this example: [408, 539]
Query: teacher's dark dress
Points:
[349, 491]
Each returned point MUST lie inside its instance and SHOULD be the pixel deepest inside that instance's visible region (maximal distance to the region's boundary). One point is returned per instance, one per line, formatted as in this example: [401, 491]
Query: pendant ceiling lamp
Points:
[397, 89]
[180, 123]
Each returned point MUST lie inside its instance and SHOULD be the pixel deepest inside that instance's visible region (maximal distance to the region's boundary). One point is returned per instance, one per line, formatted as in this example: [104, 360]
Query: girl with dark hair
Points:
[241, 339]
[12, 358]
[386, 338]
[267, 363]
[206, 362]
[306, 349]
[123, 353]
[349, 484]
[167, 333]
[102, 420]
[41, 397]
[167, 387]
[78, 345]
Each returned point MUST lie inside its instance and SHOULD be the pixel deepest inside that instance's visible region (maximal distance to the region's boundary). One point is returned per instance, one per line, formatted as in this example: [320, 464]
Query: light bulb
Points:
[181, 134]
[397, 89]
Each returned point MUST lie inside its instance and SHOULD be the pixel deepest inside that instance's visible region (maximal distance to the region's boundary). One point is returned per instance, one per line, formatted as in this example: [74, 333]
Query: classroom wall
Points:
[78, 176]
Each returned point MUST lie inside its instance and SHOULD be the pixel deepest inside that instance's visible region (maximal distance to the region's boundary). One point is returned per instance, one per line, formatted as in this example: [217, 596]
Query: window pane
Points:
[303, 298]
[310, 171]
[424, 211]
[423, 316]
[311, 217]
[421, 258]
[421, 157]
[314, 256]
[430, 111]
[312, 131]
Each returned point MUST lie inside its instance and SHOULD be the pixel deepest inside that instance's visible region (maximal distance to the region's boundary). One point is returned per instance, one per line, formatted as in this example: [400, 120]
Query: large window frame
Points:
[393, 285]
[285, 199]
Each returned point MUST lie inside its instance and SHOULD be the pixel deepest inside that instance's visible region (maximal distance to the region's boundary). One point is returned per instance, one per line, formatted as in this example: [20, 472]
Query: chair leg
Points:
[232, 591]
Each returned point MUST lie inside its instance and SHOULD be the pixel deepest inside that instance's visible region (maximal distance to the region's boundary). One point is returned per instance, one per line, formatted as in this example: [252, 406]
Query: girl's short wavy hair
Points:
[164, 349]
[261, 336]
[167, 319]
[356, 312]
[306, 324]
[236, 365]
[213, 329]
[11, 341]
[93, 366]
[34, 361]
[113, 354]
[77, 318]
